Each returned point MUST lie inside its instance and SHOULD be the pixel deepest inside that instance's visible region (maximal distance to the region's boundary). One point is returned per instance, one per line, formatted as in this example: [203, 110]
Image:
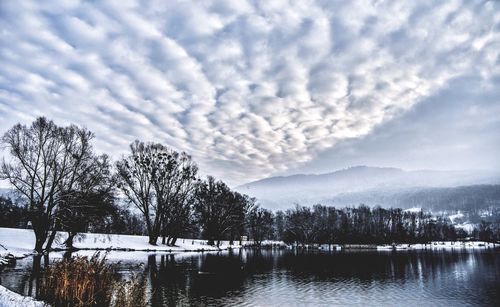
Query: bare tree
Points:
[45, 161]
[260, 224]
[91, 200]
[174, 183]
[155, 178]
[219, 210]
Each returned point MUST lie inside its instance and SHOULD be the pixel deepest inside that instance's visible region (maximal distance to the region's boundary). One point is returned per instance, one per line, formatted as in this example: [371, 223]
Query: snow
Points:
[440, 245]
[12, 299]
[413, 210]
[458, 215]
[267, 243]
[20, 242]
[11, 248]
[328, 247]
[468, 227]
[11, 242]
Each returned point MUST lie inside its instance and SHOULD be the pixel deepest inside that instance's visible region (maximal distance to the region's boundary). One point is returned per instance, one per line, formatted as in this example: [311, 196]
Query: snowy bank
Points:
[10, 248]
[13, 241]
[20, 242]
[12, 299]
[390, 247]
[441, 245]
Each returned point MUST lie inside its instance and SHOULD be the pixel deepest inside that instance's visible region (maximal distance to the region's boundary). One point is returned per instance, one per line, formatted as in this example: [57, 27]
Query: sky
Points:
[253, 89]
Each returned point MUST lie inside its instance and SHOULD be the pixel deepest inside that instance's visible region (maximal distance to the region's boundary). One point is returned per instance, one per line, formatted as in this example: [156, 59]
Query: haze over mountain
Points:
[359, 184]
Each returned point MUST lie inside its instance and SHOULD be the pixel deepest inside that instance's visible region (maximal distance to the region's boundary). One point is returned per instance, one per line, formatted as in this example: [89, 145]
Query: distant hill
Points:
[464, 198]
[360, 184]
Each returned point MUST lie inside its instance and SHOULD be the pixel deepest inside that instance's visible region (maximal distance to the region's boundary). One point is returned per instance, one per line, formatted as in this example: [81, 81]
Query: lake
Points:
[288, 278]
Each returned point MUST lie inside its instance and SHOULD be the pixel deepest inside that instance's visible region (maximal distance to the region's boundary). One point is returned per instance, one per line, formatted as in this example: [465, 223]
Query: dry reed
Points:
[88, 282]
[130, 293]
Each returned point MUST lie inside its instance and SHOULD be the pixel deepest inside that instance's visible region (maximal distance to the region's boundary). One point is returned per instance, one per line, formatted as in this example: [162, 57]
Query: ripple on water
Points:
[264, 278]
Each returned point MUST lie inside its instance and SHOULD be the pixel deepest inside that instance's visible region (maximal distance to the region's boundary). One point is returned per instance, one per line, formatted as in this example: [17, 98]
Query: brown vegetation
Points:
[82, 281]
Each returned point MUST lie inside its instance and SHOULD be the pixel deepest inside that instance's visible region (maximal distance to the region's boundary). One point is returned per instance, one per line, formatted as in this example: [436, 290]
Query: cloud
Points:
[450, 130]
[248, 88]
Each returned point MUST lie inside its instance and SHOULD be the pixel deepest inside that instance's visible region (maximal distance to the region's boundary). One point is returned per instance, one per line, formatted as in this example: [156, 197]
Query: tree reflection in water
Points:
[261, 277]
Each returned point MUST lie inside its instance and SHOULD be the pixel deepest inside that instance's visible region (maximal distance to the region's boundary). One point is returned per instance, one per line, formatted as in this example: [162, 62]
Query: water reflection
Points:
[257, 278]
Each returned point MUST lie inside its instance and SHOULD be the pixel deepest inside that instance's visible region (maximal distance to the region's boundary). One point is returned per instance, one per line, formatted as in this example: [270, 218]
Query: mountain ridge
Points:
[279, 191]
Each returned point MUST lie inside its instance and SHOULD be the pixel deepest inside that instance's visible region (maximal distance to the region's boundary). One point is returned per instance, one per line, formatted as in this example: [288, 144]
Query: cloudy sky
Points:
[253, 89]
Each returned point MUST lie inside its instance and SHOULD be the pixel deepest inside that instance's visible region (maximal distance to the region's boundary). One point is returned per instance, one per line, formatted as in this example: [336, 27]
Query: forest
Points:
[62, 184]
[473, 198]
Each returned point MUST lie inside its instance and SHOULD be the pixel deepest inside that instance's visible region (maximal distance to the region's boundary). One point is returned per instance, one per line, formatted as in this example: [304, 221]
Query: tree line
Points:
[65, 186]
[360, 225]
[365, 225]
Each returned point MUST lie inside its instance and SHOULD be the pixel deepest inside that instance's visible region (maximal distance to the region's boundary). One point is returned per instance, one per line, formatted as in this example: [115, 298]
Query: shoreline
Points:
[433, 245]
[18, 243]
[13, 299]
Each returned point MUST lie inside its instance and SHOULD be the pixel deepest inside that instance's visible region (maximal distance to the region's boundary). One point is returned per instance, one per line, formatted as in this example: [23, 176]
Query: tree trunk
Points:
[40, 237]
[210, 242]
[218, 243]
[35, 275]
[152, 233]
[153, 238]
[163, 239]
[69, 240]
[51, 240]
[174, 239]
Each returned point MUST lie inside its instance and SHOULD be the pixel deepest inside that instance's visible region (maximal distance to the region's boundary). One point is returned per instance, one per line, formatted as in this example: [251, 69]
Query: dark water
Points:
[286, 278]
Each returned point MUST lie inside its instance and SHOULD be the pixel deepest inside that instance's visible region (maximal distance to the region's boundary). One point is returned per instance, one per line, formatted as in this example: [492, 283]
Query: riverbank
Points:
[419, 246]
[440, 245]
[12, 299]
[19, 243]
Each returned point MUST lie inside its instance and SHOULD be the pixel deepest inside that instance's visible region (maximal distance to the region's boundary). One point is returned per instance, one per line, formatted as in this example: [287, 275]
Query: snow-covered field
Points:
[12, 299]
[20, 242]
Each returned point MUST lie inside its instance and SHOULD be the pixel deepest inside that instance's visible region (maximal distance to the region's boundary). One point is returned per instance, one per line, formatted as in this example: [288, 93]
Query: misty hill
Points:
[464, 198]
[360, 184]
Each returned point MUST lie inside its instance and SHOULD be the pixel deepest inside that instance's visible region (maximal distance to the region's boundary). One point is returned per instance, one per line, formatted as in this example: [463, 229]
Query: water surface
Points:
[287, 278]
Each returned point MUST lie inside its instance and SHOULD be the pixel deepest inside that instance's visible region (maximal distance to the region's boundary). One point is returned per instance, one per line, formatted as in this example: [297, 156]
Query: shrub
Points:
[88, 282]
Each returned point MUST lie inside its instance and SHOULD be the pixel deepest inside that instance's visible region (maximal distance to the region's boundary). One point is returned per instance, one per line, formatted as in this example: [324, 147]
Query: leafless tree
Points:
[220, 211]
[178, 190]
[260, 224]
[45, 160]
[91, 200]
[156, 179]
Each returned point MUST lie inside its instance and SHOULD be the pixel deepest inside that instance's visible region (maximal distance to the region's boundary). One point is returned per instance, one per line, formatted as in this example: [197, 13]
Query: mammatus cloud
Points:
[248, 88]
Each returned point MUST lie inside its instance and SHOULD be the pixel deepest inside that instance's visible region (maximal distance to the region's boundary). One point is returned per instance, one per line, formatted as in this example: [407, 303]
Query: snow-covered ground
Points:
[468, 227]
[20, 242]
[413, 210]
[440, 245]
[12, 299]
[17, 242]
[458, 215]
